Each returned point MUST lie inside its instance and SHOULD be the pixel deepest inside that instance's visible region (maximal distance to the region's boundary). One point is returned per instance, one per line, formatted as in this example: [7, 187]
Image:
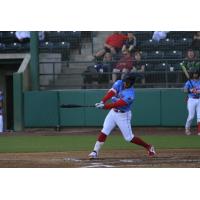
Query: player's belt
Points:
[119, 111]
[196, 97]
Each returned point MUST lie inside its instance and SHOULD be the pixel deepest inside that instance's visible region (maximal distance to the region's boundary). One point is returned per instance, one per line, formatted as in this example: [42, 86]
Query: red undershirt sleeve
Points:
[109, 95]
[118, 103]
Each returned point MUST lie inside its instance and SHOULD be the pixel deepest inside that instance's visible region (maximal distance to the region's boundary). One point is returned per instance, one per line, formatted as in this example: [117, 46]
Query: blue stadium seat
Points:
[183, 43]
[13, 45]
[46, 44]
[173, 54]
[148, 45]
[166, 44]
[180, 34]
[8, 37]
[155, 55]
[2, 46]
[143, 55]
[149, 67]
[143, 35]
[162, 67]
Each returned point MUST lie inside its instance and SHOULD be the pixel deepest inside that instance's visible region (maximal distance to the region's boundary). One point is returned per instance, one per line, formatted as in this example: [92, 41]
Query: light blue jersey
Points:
[196, 85]
[126, 94]
[1, 100]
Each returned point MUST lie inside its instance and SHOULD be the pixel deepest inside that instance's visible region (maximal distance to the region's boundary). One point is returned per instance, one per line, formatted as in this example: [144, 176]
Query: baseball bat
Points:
[186, 74]
[76, 106]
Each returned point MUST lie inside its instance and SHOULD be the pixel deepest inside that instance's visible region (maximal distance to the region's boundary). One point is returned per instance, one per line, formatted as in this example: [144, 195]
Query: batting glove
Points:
[193, 90]
[99, 105]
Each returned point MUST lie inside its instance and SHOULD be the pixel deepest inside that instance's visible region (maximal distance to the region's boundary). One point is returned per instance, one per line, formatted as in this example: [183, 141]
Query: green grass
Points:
[76, 143]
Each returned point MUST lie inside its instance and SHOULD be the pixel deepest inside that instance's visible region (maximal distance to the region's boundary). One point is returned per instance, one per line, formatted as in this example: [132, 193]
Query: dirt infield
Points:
[168, 158]
[109, 159]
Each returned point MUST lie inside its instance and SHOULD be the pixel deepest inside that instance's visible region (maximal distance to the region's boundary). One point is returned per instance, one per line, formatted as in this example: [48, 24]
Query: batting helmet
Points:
[131, 78]
[195, 70]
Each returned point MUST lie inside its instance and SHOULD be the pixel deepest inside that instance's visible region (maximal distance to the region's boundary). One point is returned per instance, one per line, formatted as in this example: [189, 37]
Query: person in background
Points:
[190, 60]
[113, 44]
[123, 66]
[192, 88]
[159, 35]
[138, 66]
[1, 111]
[24, 36]
[129, 43]
[196, 42]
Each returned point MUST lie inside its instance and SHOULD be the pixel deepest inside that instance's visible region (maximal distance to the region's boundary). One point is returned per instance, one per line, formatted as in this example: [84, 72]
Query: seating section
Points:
[171, 50]
[55, 41]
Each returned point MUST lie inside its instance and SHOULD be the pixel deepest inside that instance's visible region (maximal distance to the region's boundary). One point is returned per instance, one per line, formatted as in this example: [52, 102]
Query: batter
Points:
[193, 102]
[122, 95]
[1, 112]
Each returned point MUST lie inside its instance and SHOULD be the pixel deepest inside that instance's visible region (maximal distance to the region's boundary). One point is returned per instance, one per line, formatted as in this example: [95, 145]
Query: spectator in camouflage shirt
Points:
[191, 61]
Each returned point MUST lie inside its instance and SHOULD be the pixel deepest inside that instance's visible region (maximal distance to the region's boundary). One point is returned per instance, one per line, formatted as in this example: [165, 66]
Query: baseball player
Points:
[1, 112]
[193, 102]
[122, 94]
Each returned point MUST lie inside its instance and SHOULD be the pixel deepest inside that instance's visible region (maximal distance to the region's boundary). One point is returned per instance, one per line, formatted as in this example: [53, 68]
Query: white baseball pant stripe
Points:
[122, 120]
[1, 123]
[193, 106]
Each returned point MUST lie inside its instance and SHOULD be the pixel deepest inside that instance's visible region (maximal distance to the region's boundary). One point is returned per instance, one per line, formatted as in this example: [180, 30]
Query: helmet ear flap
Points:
[194, 71]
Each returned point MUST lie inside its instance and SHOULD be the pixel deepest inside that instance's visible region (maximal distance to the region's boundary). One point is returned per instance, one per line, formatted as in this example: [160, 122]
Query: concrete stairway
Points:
[70, 77]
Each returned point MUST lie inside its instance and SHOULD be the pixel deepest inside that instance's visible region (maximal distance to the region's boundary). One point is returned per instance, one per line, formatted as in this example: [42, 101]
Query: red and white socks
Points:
[99, 143]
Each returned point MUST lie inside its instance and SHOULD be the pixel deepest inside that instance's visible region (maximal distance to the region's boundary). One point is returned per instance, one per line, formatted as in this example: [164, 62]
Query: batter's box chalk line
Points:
[72, 160]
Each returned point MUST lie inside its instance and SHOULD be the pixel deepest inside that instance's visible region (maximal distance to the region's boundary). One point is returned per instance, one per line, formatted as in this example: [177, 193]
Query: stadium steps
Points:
[70, 78]
[66, 80]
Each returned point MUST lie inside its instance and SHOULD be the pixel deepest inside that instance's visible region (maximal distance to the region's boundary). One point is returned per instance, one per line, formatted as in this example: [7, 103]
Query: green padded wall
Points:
[146, 108]
[94, 117]
[152, 107]
[173, 107]
[72, 116]
[18, 102]
[40, 109]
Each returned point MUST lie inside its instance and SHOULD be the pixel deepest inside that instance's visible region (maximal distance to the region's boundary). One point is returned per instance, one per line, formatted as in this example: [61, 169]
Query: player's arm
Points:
[116, 104]
[112, 92]
[189, 89]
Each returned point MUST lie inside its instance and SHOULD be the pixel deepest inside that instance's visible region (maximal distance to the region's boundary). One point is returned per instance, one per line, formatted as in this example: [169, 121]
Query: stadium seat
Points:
[180, 34]
[143, 35]
[143, 55]
[2, 46]
[148, 45]
[8, 37]
[183, 43]
[173, 54]
[46, 44]
[162, 67]
[13, 45]
[155, 55]
[149, 67]
[166, 44]
[177, 66]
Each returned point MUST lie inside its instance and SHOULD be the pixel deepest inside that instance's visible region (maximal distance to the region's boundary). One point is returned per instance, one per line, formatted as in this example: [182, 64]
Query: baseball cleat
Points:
[93, 155]
[187, 131]
[151, 151]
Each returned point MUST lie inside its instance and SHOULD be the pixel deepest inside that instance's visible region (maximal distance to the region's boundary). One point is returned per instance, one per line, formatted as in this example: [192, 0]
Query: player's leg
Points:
[124, 124]
[191, 106]
[108, 126]
[198, 117]
[1, 123]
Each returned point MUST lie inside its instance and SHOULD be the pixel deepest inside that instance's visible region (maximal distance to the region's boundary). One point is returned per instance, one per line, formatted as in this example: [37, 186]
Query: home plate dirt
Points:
[168, 158]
